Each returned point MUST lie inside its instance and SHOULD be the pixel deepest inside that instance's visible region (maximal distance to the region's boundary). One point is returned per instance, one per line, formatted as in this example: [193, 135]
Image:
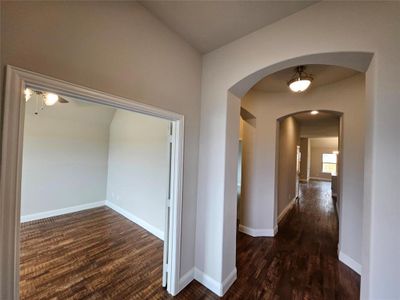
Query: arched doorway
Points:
[213, 194]
[343, 97]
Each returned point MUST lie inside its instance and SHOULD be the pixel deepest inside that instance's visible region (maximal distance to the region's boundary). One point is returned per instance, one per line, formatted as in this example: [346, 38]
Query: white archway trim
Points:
[358, 61]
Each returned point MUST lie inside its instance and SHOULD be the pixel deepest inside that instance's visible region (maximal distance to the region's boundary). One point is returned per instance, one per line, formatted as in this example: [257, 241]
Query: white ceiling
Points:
[208, 25]
[322, 74]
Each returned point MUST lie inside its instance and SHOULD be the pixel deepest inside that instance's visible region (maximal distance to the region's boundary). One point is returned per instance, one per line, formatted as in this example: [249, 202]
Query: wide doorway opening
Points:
[308, 151]
[98, 193]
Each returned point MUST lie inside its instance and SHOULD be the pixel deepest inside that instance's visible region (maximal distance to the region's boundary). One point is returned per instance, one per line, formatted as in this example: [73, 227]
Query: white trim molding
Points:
[287, 209]
[61, 211]
[17, 80]
[258, 232]
[135, 219]
[351, 263]
[187, 278]
[228, 281]
[213, 285]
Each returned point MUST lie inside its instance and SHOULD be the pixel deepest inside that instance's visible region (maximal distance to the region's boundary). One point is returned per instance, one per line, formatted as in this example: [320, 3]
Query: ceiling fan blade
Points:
[62, 100]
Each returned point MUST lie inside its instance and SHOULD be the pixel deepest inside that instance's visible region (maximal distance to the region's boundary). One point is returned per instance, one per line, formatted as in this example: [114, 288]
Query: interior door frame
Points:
[17, 80]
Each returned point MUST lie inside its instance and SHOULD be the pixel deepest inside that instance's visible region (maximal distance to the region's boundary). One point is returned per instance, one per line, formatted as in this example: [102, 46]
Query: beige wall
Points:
[287, 161]
[320, 128]
[316, 162]
[118, 48]
[138, 167]
[318, 147]
[64, 156]
[305, 159]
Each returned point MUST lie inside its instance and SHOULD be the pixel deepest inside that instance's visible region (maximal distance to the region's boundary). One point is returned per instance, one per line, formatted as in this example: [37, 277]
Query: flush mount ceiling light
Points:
[314, 112]
[300, 81]
[45, 98]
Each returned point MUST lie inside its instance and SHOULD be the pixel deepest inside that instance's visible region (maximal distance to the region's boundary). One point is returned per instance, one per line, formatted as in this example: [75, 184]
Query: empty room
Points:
[94, 192]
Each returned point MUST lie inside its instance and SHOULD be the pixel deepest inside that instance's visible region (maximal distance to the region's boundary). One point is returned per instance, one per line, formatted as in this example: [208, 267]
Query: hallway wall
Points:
[316, 163]
[320, 146]
[305, 159]
[347, 96]
[289, 139]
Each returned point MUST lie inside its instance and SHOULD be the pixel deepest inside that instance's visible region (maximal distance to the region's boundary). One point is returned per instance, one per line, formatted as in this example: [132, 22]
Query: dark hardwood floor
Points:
[98, 254]
[301, 261]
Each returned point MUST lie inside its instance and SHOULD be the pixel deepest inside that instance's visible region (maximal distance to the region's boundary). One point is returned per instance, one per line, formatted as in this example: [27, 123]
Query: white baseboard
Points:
[258, 232]
[186, 279]
[213, 285]
[61, 211]
[320, 179]
[228, 281]
[142, 223]
[207, 281]
[287, 209]
[351, 263]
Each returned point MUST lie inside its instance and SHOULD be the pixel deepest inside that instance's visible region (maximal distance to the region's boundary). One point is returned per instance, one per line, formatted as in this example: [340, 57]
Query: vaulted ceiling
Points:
[208, 25]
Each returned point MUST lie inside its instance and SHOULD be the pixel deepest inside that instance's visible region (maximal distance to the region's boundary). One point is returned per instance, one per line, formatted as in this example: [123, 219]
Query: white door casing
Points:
[11, 165]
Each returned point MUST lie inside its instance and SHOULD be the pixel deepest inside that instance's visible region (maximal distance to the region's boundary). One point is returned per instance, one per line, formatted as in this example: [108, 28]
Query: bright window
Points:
[329, 163]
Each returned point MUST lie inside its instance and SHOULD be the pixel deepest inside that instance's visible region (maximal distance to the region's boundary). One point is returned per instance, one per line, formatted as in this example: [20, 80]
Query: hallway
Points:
[300, 262]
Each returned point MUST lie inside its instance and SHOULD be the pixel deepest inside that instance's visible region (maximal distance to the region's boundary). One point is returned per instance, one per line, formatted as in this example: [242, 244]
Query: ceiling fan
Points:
[46, 98]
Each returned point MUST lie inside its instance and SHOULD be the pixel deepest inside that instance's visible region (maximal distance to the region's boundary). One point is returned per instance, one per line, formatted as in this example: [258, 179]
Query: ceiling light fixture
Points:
[50, 99]
[28, 94]
[314, 112]
[43, 99]
[300, 81]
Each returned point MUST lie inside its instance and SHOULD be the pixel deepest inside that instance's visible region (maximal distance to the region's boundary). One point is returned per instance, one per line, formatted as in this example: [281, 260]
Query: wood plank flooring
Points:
[98, 254]
[301, 261]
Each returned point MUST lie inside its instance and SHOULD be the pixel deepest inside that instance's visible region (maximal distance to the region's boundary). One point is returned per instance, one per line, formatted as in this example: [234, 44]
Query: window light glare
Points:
[50, 99]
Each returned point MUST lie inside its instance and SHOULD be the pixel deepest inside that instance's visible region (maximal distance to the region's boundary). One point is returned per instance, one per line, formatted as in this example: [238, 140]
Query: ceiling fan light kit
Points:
[300, 80]
[47, 98]
[28, 94]
[50, 99]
